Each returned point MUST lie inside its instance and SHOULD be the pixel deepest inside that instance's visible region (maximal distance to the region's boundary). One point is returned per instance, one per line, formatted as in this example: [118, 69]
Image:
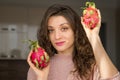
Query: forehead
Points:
[57, 20]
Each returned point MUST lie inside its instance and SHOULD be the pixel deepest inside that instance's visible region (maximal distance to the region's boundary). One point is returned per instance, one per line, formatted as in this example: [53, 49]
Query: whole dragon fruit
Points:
[90, 15]
[38, 55]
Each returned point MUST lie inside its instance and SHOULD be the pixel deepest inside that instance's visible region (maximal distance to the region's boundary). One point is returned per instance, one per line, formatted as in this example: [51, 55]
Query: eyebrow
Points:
[63, 24]
[59, 25]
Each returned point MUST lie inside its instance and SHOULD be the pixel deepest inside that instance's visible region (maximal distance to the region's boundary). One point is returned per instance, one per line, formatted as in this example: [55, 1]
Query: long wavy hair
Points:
[83, 57]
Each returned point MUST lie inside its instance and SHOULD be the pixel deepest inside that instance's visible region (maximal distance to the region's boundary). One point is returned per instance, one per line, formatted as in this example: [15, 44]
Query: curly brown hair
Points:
[83, 56]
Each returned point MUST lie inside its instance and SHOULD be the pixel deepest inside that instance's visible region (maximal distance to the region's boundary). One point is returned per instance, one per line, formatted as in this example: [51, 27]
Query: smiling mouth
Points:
[59, 43]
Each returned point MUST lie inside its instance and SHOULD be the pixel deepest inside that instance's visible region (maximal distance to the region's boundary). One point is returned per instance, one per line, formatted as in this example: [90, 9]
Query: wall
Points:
[118, 34]
[31, 15]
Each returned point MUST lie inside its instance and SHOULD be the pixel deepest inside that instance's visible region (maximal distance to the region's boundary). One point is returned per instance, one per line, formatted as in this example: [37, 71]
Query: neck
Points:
[66, 52]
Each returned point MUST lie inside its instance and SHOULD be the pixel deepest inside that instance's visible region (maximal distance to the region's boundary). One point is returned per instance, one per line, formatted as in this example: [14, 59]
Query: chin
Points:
[60, 49]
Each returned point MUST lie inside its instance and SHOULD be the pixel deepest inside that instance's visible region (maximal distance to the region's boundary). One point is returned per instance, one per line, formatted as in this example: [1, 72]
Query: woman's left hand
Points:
[92, 32]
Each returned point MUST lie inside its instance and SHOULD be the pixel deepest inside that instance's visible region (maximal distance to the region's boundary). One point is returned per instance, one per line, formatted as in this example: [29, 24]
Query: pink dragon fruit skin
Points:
[90, 15]
[39, 57]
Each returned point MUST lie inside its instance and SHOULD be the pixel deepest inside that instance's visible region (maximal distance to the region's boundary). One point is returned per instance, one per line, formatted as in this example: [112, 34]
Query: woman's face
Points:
[61, 34]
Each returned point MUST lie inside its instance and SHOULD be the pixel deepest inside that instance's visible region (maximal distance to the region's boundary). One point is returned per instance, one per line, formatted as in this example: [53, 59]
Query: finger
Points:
[29, 60]
[97, 28]
[99, 14]
[32, 65]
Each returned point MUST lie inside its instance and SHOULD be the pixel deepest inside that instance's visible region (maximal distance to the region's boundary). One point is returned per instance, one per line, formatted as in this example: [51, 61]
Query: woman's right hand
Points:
[41, 74]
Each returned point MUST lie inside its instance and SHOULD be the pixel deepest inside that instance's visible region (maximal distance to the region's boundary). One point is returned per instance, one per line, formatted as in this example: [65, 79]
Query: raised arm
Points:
[105, 65]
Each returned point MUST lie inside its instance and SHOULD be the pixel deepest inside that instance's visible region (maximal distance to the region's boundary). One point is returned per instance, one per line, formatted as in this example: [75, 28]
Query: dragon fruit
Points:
[38, 57]
[90, 15]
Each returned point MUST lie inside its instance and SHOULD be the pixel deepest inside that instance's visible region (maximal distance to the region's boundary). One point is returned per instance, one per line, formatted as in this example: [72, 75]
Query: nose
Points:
[57, 35]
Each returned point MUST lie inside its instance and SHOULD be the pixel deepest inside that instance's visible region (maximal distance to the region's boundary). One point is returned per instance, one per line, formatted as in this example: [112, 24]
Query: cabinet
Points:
[12, 40]
[13, 69]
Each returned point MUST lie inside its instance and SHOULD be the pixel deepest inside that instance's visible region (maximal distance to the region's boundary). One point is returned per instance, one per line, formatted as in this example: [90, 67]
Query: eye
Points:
[64, 28]
[50, 30]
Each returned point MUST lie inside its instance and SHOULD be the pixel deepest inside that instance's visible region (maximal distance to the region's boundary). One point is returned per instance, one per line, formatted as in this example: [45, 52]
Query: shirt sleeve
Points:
[31, 75]
[96, 75]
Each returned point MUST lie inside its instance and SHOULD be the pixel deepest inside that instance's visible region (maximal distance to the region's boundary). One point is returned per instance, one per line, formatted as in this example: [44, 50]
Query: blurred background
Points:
[19, 20]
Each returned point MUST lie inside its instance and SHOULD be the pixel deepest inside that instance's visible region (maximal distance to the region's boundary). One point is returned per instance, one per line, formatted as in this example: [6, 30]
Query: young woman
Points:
[76, 52]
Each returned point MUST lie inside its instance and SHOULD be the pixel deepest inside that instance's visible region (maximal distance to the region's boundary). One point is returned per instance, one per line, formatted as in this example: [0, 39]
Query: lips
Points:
[60, 43]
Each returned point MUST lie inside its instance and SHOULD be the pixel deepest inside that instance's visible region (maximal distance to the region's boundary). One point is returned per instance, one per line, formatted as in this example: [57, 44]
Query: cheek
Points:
[71, 35]
[72, 38]
[51, 38]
